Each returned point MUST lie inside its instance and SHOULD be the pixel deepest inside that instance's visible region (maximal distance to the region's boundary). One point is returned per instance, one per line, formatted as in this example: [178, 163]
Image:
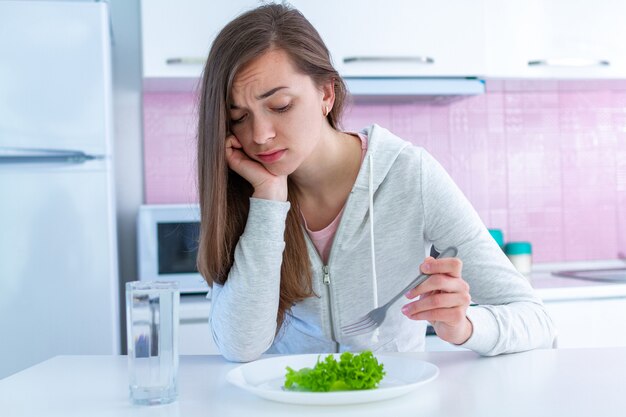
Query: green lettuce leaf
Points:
[351, 372]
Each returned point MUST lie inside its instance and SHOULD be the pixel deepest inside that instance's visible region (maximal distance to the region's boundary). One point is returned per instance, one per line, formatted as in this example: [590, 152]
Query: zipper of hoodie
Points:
[326, 278]
[326, 267]
[326, 282]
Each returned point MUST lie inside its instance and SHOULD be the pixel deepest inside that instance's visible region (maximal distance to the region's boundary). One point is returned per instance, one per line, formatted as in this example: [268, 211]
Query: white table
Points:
[555, 383]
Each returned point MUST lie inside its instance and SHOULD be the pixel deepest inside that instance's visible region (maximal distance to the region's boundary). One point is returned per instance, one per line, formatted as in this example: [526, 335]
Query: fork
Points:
[375, 318]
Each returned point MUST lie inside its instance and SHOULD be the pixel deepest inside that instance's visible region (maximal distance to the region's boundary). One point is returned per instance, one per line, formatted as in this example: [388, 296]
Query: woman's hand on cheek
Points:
[266, 185]
[443, 300]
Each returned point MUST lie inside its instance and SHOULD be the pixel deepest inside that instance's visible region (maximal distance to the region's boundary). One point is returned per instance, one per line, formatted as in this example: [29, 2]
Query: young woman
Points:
[305, 228]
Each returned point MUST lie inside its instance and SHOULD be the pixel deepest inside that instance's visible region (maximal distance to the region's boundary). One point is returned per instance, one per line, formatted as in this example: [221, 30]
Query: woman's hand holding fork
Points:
[443, 300]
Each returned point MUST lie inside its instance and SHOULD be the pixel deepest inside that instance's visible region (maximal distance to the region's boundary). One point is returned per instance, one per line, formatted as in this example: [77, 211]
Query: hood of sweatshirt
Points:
[374, 172]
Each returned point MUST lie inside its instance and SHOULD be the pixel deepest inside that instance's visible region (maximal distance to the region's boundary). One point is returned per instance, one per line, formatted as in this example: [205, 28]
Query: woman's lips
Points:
[273, 156]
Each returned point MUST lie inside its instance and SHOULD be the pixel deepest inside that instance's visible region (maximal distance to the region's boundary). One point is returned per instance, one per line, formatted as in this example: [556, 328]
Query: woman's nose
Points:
[262, 131]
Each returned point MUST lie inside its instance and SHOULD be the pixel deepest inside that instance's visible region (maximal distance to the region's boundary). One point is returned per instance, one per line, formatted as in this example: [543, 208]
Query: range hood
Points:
[413, 87]
[370, 88]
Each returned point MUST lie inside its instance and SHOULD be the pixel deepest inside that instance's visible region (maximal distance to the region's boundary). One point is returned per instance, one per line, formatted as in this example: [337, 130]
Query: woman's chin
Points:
[279, 170]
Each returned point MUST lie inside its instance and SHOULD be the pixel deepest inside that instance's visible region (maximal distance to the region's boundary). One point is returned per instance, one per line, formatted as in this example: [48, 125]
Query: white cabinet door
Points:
[556, 39]
[177, 35]
[589, 323]
[194, 333]
[195, 338]
[375, 38]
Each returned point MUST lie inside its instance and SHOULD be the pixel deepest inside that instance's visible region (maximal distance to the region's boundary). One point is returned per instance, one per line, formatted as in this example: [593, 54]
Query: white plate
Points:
[265, 378]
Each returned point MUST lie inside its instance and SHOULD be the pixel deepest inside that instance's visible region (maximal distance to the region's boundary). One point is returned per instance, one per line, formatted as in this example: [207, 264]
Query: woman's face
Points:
[277, 113]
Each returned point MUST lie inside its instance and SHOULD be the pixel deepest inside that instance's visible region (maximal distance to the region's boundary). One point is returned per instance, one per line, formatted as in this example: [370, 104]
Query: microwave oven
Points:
[167, 239]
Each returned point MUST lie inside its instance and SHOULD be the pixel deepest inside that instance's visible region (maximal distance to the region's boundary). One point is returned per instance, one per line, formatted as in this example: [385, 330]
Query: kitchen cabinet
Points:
[416, 38]
[177, 35]
[194, 332]
[555, 39]
[412, 38]
[492, 39]
[586, 312]
[588, 323]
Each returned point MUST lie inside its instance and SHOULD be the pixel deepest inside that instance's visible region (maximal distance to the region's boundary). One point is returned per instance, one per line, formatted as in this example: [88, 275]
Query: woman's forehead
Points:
[270, 66]
[271, 72]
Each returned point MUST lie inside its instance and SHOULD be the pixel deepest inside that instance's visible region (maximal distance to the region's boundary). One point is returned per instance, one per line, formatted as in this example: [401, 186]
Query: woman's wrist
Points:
[274, 190]
[465, 334]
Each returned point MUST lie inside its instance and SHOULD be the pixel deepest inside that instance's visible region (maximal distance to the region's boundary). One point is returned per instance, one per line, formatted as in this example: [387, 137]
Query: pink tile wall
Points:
[169, 148]
[543, 161]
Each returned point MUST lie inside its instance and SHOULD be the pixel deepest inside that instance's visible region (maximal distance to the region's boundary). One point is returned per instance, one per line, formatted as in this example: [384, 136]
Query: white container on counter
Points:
[520, 254]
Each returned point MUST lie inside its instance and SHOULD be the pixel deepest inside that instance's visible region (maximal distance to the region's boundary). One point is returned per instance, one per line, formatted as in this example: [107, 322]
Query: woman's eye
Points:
[235, 121]
[283, 109]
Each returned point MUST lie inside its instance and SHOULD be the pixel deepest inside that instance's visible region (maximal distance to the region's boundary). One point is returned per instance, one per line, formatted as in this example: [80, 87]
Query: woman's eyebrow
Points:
[262, 96]
[270, 92]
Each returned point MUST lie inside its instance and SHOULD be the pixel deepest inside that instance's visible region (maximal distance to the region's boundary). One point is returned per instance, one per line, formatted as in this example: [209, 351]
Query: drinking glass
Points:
[152, 335]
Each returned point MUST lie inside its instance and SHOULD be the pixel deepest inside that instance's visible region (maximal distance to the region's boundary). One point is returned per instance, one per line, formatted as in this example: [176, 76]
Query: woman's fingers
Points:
[242, 164]
[439, 282]
[450, 266]
[437, 300]
[442, 315]
[266, 184]
[444, 290]
[232, 144]
[443, 300]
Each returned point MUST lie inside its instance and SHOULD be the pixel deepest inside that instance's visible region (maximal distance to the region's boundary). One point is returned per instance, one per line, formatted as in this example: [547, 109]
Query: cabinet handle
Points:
[569, 62]
[185, 61]
[406, 59]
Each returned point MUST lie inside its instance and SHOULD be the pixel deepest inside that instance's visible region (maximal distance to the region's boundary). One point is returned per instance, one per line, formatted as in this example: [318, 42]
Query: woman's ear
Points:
[328, 98]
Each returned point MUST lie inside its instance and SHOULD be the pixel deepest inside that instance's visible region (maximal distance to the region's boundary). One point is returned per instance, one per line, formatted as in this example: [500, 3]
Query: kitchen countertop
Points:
[557, 288]
[558, 382]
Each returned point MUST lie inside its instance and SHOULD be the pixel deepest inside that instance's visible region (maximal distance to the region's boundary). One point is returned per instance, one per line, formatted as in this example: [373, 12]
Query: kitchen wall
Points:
[543, 160]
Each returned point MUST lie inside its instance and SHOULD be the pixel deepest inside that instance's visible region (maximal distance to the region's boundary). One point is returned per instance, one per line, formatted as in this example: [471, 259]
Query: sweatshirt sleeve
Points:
[509, 316]
[244, 309]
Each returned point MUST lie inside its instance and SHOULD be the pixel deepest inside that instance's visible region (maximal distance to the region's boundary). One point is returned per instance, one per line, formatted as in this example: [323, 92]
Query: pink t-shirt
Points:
[323, 239]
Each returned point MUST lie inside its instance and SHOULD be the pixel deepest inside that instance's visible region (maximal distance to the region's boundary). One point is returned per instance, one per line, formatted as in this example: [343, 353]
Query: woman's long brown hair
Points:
[224, 195]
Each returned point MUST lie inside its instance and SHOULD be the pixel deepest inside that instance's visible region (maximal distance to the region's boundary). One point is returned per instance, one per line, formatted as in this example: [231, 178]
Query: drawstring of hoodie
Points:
[373, 251]
[374, 338]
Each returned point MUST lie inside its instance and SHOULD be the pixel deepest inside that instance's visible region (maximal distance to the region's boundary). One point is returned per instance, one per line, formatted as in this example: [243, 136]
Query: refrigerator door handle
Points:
[43, 156]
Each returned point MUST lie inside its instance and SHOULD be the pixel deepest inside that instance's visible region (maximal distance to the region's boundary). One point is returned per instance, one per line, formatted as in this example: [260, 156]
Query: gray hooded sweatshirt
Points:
[401, 204]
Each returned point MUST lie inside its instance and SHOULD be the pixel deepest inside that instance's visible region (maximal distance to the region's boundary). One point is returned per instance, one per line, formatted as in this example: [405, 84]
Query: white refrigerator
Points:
[58, 260]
